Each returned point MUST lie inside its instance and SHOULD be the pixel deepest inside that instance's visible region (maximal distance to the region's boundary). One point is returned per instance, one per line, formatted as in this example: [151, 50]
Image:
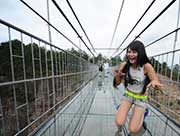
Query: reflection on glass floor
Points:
[100, 119]
[92, 113]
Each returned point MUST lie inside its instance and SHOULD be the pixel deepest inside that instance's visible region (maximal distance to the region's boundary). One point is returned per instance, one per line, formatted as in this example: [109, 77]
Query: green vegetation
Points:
[116, 60]
[29, 62]
[165, 70]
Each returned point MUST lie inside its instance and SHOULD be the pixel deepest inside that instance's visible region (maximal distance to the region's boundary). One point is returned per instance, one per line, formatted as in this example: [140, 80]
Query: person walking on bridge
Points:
[138, 74]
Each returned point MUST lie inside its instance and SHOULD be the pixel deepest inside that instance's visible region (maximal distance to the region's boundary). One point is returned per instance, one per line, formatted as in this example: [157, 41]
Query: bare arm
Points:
[149, 70]
[118, 73]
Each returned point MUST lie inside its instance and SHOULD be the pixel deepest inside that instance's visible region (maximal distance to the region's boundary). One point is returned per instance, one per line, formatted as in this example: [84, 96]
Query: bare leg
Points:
[136, 119]
[122, 112]
[122, 115]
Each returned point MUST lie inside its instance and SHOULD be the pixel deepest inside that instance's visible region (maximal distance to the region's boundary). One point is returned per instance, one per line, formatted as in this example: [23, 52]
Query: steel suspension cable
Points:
[81, 25]
[165, 53]
[165, 9]
[135, 25]
[117, 22]
[163, 37]
[57, 6]
[48, 23]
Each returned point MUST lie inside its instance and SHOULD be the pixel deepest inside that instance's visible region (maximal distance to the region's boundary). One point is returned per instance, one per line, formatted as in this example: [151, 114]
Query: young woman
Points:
[138, 74]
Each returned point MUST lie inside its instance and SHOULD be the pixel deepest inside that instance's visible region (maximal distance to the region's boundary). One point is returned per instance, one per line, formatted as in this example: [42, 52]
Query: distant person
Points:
[101, 68]
[106, 69]
[100, 80]
[106, 66]
[137, 74]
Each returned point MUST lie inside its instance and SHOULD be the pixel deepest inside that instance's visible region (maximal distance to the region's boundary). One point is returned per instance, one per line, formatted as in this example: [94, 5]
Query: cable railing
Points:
[36, 79]
[70, 119]
[167, 100]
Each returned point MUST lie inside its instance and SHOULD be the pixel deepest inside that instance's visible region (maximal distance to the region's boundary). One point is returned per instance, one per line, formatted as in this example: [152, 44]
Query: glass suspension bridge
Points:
[50, 90]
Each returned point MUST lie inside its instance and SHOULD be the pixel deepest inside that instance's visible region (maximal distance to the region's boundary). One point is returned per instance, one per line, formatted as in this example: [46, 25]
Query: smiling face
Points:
[132, 56]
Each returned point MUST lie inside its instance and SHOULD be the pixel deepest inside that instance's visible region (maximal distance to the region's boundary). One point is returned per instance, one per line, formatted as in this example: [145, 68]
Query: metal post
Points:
[24, 74]
[166, 66]
[175, 41]
[41, 75]
[34, 72]
[178, 70]
[162, 59]
[158, 65]
[13, 79]
[80, 63]
[52, 63]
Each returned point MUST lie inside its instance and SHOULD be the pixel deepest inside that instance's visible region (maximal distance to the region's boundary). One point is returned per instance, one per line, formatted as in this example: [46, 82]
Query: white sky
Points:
[98, 18]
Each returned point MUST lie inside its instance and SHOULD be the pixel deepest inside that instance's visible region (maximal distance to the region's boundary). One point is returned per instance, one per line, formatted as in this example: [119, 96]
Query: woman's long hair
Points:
[142, 59]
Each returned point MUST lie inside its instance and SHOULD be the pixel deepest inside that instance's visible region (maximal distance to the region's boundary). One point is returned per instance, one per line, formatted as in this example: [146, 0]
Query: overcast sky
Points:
[98, 18]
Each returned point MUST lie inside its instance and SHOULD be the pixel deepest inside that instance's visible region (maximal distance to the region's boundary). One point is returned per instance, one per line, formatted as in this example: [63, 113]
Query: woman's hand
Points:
[118, 74]
[117, 77]
[155, 84]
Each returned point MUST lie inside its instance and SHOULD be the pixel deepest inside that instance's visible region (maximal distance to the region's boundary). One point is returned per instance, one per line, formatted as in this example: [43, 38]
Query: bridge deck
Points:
[95, 116]
[100, 119]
